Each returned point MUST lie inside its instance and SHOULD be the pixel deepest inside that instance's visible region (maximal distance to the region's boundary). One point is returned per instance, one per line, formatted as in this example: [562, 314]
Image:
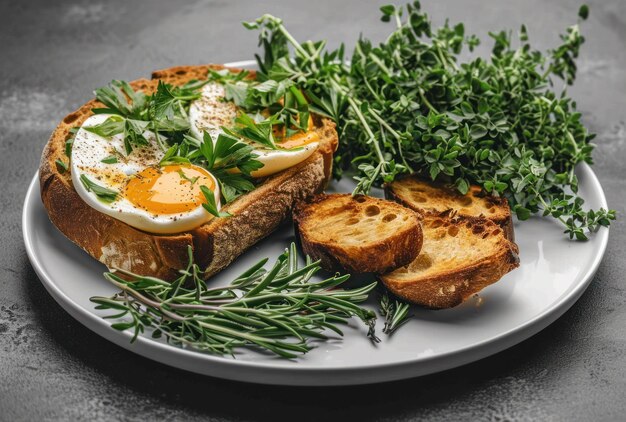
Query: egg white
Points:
[89, 149]
[210, 112]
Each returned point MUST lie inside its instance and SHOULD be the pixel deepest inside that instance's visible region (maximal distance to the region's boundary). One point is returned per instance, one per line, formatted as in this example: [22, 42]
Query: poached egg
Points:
[211, 111]
[153, 198]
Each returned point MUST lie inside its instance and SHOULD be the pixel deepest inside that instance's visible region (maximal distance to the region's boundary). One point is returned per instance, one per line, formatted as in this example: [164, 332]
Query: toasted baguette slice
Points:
[431, 199]
[216, 243]
[357, 234]
[459, 258]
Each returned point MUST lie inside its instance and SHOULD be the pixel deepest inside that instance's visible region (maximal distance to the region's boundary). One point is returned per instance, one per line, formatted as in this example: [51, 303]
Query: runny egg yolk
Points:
[299, 140]
[170, 189]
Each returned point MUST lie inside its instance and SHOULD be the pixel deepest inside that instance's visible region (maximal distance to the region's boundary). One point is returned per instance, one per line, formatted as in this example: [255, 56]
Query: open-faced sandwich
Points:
[149, 168]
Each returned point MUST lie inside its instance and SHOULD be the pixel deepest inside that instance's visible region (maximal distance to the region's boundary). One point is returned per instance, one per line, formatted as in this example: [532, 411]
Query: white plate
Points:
[553, 274]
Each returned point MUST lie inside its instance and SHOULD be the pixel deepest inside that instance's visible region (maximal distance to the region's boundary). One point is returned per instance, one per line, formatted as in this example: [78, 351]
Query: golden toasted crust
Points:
[459, 258]
[215, 244]
[357, 234]
[431, 199]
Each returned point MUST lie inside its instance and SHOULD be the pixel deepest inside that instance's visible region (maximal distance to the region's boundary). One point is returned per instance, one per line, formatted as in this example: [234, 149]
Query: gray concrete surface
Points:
[52, 55]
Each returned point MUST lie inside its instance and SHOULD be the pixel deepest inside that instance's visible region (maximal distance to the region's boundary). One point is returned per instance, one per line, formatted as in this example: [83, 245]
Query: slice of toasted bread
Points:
[431, 199]
[459, 258]
[357, 234]
[216, 243]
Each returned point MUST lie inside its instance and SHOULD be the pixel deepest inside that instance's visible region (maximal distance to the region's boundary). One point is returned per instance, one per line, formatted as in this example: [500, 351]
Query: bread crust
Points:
[449, 288]
[216, 243]
[502, 216]
[378, 256]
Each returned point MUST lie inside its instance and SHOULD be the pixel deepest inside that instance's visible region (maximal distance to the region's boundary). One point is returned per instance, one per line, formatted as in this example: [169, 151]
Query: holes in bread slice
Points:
[436, 223]
[71, 118]
[355, 221]
[453, 231]
[423, 262]
[419, 198]
[429, 198]
[464, 201]
[389, 217]
[477, 229]
[450, 250]
[372, 210]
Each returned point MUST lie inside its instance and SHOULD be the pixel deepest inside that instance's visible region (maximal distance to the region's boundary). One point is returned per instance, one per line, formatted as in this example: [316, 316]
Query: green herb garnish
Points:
[61, 166]
[104, 194]
[226, 156]
[70, 141]
[410, 105]
[210, 205]
[277, 310]
[260, 131]
[132, 130]
[284, 104]
[191, 180]
[121, 99]
[111, 159]
[165, 113]
[395, 313]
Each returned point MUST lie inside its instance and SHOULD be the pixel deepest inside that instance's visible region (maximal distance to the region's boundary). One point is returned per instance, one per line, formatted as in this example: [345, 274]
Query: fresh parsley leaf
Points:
[70, 141]
[167, 106]
[61, 166]
[68, 146]
[260, 132]
[229, 153]
[121, 99]
[112, 126]
[111, 159]
[191, 180]
[231, 162]
[104, 194]
[132, 130]
[236, 92]
[233, 185]
[210, 205]
[133, 134]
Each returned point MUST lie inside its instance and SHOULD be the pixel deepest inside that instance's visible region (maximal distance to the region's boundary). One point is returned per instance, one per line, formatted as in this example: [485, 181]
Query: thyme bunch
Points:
[409, 104]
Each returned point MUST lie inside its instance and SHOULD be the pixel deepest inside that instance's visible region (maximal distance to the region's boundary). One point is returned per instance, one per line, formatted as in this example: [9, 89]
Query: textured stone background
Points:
[54, 53]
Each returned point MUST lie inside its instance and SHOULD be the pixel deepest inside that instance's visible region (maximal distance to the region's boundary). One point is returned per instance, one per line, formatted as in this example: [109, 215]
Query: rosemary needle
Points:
[395, 313]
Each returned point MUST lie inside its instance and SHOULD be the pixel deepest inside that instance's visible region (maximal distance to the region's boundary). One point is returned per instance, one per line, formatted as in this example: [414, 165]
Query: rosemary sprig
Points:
[395, 313]
[277, 310]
